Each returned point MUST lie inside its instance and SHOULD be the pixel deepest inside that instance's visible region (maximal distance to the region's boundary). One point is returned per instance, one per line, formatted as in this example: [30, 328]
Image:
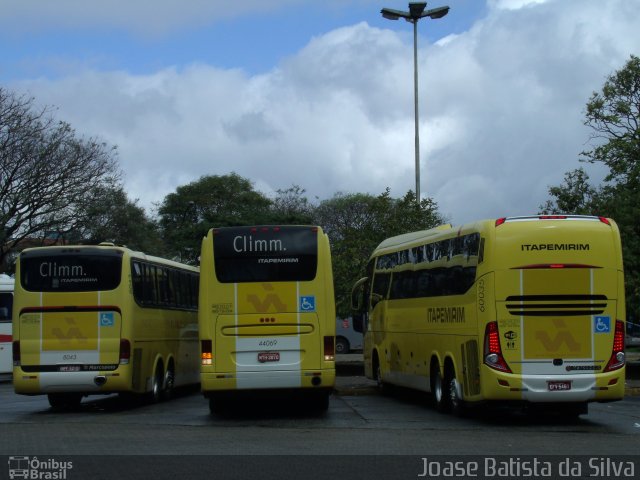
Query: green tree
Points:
[291, 207]
[613, 114]
[212, 201]
[109, 216]
[357, 223]
[47, 173]
[576, 196]
[614, 118]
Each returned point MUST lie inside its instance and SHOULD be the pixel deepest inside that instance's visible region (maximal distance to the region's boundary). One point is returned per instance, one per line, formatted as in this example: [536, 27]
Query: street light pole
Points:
[415, 13]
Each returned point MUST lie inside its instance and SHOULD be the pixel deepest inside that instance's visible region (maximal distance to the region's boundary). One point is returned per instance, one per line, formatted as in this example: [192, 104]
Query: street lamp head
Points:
[391, 14]
[436, 13]
[416, 9]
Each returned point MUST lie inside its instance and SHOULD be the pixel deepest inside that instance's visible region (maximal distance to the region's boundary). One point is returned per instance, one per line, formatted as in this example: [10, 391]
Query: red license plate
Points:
[559, 386]
[268, 357]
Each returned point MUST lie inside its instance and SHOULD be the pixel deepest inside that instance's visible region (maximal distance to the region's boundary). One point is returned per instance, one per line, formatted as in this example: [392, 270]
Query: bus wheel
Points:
[65, 400]
[342, 345]
[455, 401]
[440, 391]
[218, 404]
[383, 387]
[156, 385]
[169, 383]
[320, 402]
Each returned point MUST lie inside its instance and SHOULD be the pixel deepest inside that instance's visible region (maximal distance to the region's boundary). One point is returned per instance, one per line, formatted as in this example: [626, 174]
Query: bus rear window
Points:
[265, 254]
[70, 270]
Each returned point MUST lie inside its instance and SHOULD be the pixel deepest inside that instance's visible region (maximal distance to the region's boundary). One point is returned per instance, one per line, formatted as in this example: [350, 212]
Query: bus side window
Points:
[380, 287]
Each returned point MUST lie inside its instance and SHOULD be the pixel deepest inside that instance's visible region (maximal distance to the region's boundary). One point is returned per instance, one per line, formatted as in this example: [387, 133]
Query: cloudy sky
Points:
[320, 93]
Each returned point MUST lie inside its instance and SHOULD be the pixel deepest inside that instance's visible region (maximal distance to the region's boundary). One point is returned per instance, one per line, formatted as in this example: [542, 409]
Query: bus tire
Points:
[383, 388]
[439, 388]
[457, 406]
[219, 404]
[320, 401]
[157, 381]
[342, 345]
[169, 382]
[64, 400]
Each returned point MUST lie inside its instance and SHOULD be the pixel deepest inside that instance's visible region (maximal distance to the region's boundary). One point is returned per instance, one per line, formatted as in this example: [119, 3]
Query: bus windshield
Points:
[265, 254]
[71, 270]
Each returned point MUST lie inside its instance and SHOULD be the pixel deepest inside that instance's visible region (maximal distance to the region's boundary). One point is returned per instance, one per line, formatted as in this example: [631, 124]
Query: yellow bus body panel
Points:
[76, 329]
[251, 322]
[554, 288]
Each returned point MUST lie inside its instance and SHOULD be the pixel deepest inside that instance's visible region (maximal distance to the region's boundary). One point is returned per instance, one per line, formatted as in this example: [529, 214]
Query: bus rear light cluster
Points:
[617, 359]
[206, 356]
[492, 351]
[329, 348]
[125, 351]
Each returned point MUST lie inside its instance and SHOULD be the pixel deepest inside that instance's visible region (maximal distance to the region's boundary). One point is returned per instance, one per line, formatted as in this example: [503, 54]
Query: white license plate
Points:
[558, 386]
[70, 368]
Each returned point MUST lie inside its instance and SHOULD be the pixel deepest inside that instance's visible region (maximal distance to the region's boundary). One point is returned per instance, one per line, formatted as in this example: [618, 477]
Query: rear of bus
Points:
[67, 323]
[558, 333]
[267, 313]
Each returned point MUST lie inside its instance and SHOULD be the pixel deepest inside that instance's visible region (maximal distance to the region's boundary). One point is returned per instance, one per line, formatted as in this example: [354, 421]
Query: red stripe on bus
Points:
[5, 338]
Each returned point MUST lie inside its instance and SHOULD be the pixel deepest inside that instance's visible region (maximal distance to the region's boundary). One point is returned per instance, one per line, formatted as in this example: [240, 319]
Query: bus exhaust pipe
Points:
[100, 380]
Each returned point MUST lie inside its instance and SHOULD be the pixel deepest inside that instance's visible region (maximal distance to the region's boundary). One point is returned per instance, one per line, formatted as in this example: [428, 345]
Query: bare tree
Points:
[47, 172]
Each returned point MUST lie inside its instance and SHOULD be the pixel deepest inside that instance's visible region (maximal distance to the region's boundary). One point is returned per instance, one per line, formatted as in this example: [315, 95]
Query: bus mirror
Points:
[375, 298]
[356, 300]
[357, 305]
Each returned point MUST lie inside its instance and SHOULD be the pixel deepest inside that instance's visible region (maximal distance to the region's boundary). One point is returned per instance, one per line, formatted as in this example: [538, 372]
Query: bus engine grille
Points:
[556, 305]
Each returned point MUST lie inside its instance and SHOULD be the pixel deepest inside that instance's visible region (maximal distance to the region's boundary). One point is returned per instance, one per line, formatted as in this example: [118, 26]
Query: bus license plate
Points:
[558, 386]
[268, 357]
[69, 368]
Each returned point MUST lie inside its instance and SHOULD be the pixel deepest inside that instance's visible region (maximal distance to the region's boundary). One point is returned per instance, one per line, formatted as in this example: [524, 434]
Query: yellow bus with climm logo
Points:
[103, 319]
[527, 310]
[267, 314]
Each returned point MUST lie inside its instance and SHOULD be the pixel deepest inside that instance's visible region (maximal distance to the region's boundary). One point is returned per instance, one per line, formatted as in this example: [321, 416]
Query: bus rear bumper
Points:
[556, 388]
[267, 380]
[67, 382]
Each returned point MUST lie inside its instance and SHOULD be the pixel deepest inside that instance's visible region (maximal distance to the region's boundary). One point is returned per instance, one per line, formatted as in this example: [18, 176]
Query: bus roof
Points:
[405, 240]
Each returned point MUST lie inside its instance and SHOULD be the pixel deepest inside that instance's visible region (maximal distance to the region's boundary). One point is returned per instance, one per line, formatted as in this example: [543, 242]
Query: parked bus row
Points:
[105, 319]
[526, 310]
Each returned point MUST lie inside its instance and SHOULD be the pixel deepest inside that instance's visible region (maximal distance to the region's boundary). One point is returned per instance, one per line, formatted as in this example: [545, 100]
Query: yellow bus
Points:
[521, 309]
[267, 314]
[103, 319]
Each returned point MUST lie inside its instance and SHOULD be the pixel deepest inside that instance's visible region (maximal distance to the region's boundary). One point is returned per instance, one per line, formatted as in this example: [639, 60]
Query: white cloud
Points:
[501, 110]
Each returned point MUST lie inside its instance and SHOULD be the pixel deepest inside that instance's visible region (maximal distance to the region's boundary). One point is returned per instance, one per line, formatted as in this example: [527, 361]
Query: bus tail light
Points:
[125, 351]
[492, 351]
[207, 352]
[329, 348]
[16, 353]
[617, 359]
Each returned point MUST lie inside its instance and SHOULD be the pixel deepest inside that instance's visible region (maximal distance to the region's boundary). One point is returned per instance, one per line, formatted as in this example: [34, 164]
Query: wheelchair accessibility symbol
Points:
[107, 319]
[602, 324]
[308, 304]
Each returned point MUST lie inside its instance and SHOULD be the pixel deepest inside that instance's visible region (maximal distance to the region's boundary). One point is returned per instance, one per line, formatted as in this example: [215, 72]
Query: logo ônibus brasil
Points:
[34, 468]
